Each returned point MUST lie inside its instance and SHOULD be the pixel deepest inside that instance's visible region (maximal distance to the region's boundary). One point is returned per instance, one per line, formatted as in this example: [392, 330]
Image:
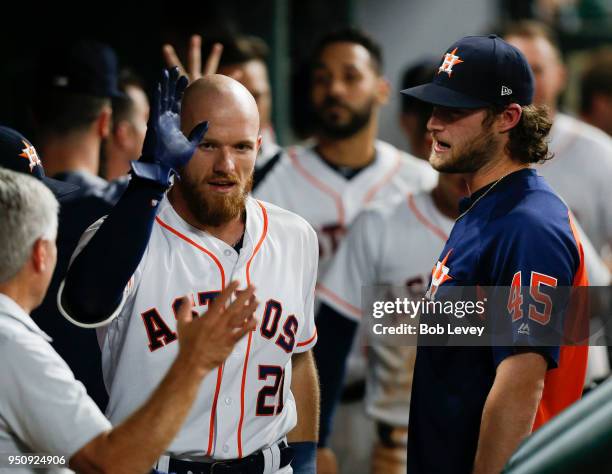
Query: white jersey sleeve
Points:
[129, 288]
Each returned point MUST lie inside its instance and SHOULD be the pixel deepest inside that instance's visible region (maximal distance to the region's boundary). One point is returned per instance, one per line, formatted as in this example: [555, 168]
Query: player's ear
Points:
[509, 118]
[383, 90]
[39, 256]
[104, 121]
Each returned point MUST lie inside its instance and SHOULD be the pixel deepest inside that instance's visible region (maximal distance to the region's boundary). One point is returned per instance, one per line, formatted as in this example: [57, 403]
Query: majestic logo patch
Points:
[29, 153]
[439, 275]
[450, 59]
[506, 91]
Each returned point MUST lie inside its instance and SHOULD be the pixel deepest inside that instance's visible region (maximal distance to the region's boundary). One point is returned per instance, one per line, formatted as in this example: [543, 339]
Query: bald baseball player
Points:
[192, 240]
[44, 408]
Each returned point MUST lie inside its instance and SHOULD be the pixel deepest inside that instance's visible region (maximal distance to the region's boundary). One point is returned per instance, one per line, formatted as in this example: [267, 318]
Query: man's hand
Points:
[194, 59]
[206, 341]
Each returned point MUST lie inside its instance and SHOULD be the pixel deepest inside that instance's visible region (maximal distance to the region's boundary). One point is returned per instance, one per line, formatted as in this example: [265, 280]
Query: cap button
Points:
[492, 36]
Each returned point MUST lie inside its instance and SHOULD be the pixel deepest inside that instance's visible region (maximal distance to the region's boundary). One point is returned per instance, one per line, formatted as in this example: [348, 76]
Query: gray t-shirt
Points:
[43, 408]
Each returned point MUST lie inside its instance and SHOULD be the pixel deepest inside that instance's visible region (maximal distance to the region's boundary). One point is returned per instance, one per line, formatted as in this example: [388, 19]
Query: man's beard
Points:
[470, 157]
[328, 125]
[215, 209]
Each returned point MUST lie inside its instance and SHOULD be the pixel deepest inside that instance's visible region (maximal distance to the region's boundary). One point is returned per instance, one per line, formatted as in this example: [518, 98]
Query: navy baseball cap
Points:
[478, 71]
[85, 67]
[18, 154]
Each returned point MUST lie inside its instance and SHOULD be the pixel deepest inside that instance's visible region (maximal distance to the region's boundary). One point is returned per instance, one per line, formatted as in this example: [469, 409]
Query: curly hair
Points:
[527, 141]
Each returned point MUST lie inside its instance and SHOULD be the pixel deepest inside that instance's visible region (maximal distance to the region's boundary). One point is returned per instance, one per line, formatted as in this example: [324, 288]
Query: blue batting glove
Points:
[165, 148]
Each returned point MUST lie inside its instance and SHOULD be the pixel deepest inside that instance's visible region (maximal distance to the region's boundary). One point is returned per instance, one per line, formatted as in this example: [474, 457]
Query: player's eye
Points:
[244, 147]
[206, 146]
[321, 78]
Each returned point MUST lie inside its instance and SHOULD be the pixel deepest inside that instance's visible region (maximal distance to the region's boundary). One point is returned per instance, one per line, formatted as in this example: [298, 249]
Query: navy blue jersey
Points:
[515, 233]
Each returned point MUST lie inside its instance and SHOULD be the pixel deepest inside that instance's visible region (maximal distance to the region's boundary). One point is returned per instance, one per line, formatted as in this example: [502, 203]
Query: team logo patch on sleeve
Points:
[439, 275]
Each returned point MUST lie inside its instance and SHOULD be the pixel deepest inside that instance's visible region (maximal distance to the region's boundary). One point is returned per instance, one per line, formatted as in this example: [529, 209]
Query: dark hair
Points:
[416, 75]
[352, 35]
[123, 107]
[57, 112]
[238, 49]
[532, 29]
[596, 78]
[527, 141]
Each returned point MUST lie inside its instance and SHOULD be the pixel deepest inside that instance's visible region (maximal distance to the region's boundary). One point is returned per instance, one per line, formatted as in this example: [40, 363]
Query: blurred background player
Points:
[414, 113]
[582, 169]
[129, 125]
[331, 180]
[391, 243]
[73, 117]
[596, 90]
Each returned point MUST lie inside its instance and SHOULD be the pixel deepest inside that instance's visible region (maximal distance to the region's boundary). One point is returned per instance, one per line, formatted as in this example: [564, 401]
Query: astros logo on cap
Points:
[29, 152]
[450, 59]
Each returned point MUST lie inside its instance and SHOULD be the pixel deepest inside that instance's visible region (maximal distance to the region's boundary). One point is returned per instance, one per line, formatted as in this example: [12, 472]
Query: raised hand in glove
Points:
[165, 148]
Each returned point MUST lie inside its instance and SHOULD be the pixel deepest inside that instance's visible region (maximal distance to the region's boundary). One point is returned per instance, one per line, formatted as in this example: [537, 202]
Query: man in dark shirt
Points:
[471, 406]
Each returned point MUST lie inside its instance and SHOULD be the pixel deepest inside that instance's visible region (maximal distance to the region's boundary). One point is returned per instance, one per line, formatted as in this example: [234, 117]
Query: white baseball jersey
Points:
[398, 245]
[581, 172]
[303, 183]
[245, 405]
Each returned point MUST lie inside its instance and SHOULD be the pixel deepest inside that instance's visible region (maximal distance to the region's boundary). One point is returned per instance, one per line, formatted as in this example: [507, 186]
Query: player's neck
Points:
[117, 164]
[73, 153]
[491, 172]
[356, 151]
[18, 289]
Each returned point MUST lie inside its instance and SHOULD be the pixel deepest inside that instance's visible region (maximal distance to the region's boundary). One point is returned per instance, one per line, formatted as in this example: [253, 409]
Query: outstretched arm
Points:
[204, 343]
[94, 284]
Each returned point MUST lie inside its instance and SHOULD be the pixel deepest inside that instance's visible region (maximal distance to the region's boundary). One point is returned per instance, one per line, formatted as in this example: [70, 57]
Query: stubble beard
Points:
[470, 157]
[358, 120]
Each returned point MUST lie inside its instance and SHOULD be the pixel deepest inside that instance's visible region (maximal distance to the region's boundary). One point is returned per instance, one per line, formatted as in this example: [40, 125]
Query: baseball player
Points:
[44, 408]
[471, 406]
[192, 241]
[371, 255]
[330, 181]
[582, 169]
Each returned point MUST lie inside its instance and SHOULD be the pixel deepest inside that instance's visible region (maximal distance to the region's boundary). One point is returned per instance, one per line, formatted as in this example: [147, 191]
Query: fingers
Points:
[212, 62]
[194, 58]
[174, 76]
[171, 59]
[184, 315]
[250, 325]
[178, 94]
[198, 132]
[164, 92]
[218, 305]
[242, 308]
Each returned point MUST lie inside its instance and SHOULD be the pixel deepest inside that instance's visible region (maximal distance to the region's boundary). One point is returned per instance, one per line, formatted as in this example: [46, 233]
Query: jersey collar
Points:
[502, 184]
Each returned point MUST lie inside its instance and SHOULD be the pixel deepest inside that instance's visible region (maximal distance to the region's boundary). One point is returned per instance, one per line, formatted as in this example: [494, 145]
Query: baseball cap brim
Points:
[443, 96]
[59, 188]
